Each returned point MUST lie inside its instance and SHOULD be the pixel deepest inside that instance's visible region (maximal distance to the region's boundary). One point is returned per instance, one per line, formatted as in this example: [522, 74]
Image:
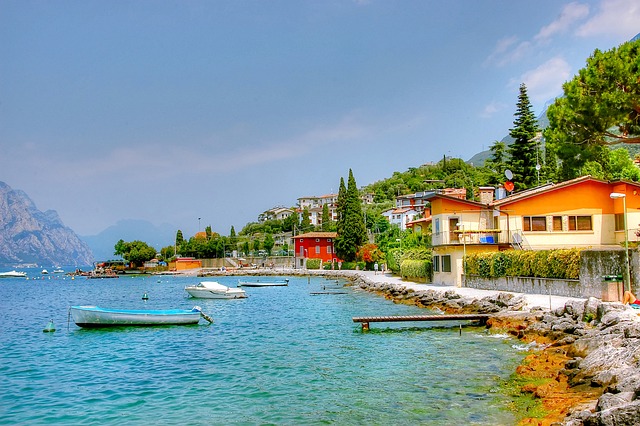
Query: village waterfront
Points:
[281, 356]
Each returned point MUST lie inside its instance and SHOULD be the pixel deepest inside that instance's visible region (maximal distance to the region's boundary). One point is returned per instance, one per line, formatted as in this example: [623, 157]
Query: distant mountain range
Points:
[102, 245]
[29, 236]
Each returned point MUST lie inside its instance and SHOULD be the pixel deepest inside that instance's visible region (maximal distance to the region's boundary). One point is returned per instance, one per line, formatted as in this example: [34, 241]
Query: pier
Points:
[401, 318]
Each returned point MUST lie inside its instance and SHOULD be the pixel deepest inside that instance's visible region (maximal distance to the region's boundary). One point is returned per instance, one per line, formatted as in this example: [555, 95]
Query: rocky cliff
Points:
[28, 235]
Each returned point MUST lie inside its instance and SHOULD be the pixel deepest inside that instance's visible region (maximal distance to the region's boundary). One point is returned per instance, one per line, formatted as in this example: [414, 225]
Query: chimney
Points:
[486, 194]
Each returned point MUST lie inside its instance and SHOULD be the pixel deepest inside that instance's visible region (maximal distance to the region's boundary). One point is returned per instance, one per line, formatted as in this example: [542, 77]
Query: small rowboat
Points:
[95, 317]
[258, 283]
[214, 290]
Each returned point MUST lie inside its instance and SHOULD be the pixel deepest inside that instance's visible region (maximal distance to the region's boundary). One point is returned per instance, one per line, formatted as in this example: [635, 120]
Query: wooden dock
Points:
[401, 318]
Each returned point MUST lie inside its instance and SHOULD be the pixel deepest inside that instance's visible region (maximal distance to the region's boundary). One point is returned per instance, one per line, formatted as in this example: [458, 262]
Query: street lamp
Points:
[464, 251]
[627, 275]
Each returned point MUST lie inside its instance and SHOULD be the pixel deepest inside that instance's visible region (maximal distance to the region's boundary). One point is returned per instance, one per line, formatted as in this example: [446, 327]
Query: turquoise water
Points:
[282, 356]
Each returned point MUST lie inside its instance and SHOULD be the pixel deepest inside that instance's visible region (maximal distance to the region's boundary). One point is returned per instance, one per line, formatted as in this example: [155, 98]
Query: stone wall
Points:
[594, 265]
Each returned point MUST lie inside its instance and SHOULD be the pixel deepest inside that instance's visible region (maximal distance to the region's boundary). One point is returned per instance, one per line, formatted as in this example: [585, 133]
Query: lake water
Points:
[282, 356]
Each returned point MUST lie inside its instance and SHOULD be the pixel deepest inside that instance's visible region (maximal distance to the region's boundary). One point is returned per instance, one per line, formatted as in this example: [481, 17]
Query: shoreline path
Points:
[544, 301]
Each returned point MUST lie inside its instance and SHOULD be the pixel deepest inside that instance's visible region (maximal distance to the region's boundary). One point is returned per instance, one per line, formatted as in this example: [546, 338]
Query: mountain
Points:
[28, 235]
[103, 244]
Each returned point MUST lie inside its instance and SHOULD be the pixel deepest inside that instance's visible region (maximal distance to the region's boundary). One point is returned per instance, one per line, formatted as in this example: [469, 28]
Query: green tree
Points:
[179, 238]
[305, 224]
[497, 162]
[600, 107]
[290, 222]
[256, 246]
[524, 150]
[136, 252]
[268, 243]
[245, 248]
[352, 233]
[326, 219]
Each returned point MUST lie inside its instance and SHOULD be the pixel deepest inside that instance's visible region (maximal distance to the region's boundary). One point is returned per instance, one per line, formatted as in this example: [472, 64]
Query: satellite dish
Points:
[538, 166]
[508, 185]
[508, 174]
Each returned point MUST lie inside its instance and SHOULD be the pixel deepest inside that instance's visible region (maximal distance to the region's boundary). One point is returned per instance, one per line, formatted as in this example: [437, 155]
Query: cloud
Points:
[614, 17]
[507, 50]
[491, 109]
[570, 14]
[545, 82]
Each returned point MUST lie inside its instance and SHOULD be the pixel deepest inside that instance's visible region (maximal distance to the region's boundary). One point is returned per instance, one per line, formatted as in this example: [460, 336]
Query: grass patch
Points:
[522, 403]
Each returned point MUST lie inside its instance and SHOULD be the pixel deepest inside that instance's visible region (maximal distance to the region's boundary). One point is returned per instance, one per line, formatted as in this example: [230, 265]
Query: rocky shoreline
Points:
[585, 370]
[589, 351]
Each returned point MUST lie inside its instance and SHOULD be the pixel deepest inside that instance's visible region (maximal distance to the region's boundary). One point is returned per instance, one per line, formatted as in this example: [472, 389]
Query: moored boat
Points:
[95, 317]
[214, 290]
[258, 283]
[13, 274]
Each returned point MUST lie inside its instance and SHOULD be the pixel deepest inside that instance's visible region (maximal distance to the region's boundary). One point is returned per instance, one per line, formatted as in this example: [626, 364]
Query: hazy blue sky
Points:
[173, 110]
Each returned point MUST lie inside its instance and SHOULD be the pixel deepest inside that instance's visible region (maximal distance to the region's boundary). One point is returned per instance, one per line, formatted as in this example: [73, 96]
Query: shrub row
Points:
[416, 269]
[561, 264]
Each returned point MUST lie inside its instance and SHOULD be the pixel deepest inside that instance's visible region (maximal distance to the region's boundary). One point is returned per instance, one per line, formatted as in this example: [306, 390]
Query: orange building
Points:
[580, 213]
[184, 263]
[315, 245]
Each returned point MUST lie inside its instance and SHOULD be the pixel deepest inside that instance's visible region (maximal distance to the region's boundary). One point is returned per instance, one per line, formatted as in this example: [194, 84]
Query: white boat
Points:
[58, 271]
[214, 290]
[258, 283]
[45, 272]
[13, 274]
[94, 317]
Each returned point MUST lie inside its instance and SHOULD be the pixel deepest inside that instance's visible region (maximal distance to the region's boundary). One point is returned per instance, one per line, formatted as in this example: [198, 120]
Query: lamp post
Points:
[464, 251]
[627, 275]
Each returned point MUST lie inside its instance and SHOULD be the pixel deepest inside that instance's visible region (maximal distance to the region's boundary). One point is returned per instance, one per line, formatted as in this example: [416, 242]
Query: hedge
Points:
[560, 264]
[313, 263]
[415, 269]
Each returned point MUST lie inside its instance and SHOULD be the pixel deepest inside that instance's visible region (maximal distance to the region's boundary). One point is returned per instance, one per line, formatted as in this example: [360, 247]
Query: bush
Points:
[560, 264]
[349, 266]
[313, 263]
[416, 269]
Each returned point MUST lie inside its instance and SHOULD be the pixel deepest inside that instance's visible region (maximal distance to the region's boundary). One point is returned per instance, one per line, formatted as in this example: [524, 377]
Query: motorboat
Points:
[13, 274]
[258, 283]
[58, 271]
[96, 317]
[214, 290]
[45, 272]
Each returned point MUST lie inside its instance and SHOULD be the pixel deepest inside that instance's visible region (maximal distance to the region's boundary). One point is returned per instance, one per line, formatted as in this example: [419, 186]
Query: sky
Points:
[196, 113]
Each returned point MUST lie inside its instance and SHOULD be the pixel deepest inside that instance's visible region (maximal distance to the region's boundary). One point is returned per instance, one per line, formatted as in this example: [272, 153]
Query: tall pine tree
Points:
[352, 233]
[524, 149]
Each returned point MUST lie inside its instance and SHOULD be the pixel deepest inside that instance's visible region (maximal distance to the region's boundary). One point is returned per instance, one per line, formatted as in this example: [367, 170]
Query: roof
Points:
[318, 235]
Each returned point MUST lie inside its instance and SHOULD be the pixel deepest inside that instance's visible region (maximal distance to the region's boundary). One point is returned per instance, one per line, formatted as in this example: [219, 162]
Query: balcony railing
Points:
[489, 236]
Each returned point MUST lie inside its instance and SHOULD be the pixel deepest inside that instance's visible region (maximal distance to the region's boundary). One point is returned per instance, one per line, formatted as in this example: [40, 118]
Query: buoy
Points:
[145, 297]
[49, 328]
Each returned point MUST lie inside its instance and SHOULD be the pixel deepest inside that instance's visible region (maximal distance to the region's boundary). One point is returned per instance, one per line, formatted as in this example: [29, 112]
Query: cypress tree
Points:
[524, 149]
[351, 230]
[325, 217]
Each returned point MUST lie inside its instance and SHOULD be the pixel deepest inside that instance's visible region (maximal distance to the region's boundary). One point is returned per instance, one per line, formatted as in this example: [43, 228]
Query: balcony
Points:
[483, 236]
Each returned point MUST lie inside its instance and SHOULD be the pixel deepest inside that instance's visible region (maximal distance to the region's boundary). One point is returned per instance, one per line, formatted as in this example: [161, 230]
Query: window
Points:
[317, 240]
[579, 223]
[328, 249]
[446, 263]
[437, 226]
[317, 249]
[436, 263]
[557, 223]
[619, 221]
[534, 223]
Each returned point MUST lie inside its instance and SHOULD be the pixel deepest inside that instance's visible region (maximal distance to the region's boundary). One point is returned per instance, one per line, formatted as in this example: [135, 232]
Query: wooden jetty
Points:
[400, 318]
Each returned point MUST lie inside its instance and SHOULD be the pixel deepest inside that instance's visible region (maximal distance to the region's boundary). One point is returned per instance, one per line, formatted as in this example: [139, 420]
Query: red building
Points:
[315, 245]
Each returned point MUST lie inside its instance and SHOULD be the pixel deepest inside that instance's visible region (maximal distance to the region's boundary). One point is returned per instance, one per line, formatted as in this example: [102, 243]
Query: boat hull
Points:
[13, 274]
[263, 283]
[95, 317]
[214, 290]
